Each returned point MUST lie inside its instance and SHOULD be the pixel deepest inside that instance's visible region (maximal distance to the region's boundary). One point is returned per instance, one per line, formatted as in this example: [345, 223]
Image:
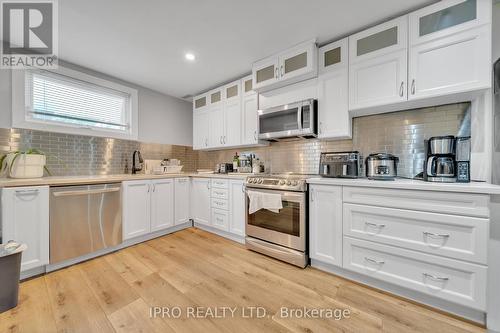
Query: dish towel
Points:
[261, 200]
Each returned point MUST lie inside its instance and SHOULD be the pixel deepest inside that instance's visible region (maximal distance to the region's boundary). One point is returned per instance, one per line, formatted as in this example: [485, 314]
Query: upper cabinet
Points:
[378, 65]
[295, 64]
[200, 119]
[450, 48]
[232, 114]
[249, 108]
[333, 91]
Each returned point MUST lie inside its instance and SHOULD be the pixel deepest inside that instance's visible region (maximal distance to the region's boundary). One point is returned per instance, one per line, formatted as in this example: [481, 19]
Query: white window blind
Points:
[62, 100]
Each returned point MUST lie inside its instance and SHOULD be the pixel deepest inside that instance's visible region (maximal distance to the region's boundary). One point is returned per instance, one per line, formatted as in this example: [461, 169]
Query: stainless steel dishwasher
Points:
[84, 219]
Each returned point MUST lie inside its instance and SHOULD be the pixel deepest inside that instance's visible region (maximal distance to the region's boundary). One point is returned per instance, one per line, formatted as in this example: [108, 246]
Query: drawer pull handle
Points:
[431, 234]
[378, 262]
[380, 226]
[436, 277]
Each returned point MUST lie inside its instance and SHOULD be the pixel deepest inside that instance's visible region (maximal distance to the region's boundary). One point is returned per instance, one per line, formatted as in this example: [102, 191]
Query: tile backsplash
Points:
[400, 133]
[82, 155]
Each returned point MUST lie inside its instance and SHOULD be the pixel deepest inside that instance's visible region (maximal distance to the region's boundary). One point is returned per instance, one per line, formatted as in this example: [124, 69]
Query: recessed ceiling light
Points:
[190, 56]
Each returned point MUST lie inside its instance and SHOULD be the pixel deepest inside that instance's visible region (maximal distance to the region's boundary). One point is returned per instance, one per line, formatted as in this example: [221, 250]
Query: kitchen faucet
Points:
[141, 161]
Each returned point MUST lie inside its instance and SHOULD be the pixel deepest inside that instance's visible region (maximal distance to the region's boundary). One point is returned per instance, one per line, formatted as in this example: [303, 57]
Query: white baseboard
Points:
[458, 310]
[225, 234]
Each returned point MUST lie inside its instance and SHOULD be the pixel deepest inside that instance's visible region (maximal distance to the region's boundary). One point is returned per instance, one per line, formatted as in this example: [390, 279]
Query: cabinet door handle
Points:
[312, 195]
[255, 135]
[281, 70]
[220, 140]
[438, 278]
[401, 89]
[374, 261]
[320, 127]
[149, 188]
[431, 234]
[27, 191]
[380, 226]
[243, 188]
[413, 87]
[154, 187]
[277, 72]
[206, 142]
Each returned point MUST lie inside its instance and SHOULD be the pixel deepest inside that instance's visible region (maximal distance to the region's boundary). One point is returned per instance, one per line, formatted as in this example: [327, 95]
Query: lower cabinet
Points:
[325, 227]
[237, 207]
[200, 200]
[181, 199]
[25, 219]
[147, 206]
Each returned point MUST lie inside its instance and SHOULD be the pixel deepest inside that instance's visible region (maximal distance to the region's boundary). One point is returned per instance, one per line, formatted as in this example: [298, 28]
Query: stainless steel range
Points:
[280, 234]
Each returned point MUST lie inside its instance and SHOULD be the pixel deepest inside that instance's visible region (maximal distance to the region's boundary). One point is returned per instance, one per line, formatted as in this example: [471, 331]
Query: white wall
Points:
[162, 119]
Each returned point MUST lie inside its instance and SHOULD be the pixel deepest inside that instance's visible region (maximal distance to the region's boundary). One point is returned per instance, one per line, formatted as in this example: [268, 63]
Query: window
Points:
[72, 102]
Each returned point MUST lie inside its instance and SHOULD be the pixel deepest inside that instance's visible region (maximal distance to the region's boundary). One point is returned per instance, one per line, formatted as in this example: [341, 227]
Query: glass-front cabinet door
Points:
[265, 72]
[380, 40]
[333, 56]
[298, 61]
[447, 17]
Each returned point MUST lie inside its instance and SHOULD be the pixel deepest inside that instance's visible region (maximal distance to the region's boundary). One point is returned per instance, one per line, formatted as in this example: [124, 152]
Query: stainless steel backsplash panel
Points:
[400, 133]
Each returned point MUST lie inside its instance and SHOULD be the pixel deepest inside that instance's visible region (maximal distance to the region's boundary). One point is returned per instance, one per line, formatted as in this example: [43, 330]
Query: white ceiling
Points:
[144, 42]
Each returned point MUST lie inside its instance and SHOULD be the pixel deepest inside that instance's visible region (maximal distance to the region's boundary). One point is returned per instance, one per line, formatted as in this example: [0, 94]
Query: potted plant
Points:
[24, 164]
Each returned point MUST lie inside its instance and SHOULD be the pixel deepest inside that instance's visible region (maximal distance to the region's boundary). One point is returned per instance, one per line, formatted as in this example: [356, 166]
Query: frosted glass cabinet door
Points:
[298, 61]
[446, 18]
[265, 72]
[380, 40]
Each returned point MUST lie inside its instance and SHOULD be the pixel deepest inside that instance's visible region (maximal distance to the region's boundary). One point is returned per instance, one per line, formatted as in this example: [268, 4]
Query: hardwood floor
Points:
[193, 269]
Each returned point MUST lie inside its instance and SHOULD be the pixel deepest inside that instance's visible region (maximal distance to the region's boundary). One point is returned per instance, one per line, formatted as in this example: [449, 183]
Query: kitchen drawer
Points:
[220, 219]
[452, 280]
[220, 183]
[452, 236]
[220, 204]
[220, 193]
[429, 201]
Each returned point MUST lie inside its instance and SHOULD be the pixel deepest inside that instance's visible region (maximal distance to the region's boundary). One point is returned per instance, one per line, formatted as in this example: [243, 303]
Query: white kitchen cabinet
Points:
[162, 204]
[25, 219]
[450, 47]
[292, 65]
[148, 206]
[232, 115]
[181, 200]
[220, 219]
[333, 92]
[237, 207]
[200, 200]
[249, 106]
[325, 226]
[201, 129]
[216, 123]
[136, 208]
[378, 65]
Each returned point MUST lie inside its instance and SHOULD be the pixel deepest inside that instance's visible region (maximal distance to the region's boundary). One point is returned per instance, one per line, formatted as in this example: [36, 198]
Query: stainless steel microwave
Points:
[298, 119]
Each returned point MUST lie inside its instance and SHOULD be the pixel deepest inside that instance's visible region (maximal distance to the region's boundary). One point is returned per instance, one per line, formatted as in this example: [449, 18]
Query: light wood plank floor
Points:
[193, 268]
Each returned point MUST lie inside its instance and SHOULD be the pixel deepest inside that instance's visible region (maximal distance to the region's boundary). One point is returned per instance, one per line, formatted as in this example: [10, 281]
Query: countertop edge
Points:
[408, 184]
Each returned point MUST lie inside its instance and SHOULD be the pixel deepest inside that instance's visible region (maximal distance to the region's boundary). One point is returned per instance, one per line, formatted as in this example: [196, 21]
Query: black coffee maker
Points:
[447, 159]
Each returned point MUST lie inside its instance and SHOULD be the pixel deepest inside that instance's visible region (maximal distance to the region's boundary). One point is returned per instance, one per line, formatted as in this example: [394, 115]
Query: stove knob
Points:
[289, 183]
[294, 183]
[251, 180]
[261, 181]
[282, 182]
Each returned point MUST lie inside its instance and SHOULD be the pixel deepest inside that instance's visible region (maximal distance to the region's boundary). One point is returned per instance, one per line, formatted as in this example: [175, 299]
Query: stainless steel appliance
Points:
[245, 163]
[341, 164]
[280, 235]
[293, 120]
[84, 219]
[382, 166]
[226, 168]
[463, 149]
[440, 161]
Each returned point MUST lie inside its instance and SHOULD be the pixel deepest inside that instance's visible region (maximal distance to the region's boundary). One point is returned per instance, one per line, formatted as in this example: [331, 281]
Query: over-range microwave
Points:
[293, 120]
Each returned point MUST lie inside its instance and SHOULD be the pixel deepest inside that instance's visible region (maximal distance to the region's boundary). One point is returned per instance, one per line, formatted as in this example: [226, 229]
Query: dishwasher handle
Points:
[85, 192]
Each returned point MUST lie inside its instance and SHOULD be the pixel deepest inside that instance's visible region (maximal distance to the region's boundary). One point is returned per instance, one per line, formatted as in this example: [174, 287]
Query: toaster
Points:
[341, 164]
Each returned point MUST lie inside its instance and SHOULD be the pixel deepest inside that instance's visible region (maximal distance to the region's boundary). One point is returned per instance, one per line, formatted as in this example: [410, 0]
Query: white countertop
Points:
[99, 179]
[410, 184]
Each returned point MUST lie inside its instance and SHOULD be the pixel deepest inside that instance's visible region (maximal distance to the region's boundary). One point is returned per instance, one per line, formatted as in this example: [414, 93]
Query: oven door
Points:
[286, 228]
